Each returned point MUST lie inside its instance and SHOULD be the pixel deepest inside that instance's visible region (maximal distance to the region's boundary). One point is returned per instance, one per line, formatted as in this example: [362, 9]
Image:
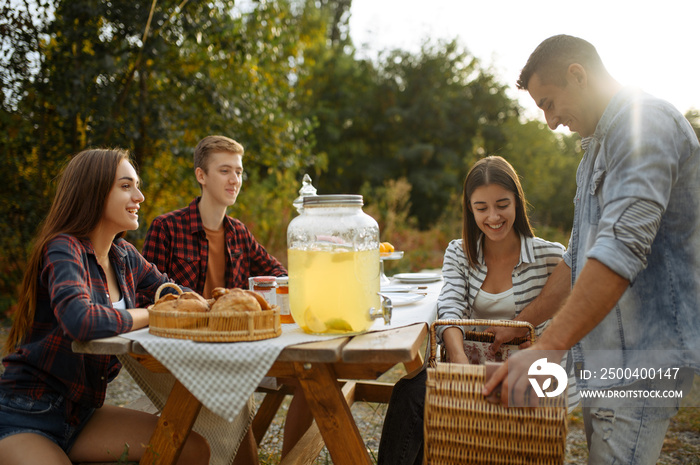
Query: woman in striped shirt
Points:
[492, 272]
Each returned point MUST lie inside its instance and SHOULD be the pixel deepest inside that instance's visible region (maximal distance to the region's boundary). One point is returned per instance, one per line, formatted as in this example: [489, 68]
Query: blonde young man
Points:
[203, 248]
[200, 246]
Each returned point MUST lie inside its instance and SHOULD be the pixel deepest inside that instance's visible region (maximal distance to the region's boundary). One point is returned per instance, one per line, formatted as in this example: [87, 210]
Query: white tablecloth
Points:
[224, 375]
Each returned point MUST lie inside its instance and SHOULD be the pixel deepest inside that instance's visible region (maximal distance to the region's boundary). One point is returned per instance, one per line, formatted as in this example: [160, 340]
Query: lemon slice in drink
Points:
[313, 323]
[338, 324]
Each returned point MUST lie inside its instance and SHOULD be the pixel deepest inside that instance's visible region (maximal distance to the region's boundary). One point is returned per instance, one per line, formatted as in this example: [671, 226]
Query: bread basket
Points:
[224, 326]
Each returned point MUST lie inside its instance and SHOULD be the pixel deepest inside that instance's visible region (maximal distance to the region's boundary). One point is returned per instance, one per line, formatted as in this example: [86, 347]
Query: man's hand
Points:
[596, 292]
[511, 381]
[513, 378]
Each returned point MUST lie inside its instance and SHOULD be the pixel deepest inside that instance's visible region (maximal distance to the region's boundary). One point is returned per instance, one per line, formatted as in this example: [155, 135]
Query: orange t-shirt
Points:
[216, 263]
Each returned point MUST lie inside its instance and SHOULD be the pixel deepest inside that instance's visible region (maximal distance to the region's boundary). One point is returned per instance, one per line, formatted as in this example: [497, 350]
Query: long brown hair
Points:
[491, 170]
[77, 208]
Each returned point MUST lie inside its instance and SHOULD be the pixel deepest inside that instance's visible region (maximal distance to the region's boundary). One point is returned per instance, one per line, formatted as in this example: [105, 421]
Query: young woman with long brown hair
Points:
[491, 273]
[80, 284]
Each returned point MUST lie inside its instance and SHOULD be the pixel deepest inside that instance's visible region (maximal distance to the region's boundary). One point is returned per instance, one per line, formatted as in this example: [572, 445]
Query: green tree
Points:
[21, 171]
[280, 76]
[418, 117]
[546, 162]
[444, 110]
[154, 78]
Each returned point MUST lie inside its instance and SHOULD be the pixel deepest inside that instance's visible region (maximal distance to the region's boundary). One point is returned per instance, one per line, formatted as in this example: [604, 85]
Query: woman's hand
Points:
[454, 345]
[503, 335]
[139, 316]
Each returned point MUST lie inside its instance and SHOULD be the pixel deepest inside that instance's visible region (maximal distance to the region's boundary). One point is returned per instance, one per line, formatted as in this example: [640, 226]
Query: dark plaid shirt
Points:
[177, 244]
[73, 304]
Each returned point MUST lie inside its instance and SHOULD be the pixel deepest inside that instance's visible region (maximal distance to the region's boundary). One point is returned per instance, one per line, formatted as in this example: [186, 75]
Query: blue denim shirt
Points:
[637, 211]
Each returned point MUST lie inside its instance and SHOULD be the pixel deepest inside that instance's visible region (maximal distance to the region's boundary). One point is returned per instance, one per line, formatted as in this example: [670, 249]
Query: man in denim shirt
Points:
[626, 294]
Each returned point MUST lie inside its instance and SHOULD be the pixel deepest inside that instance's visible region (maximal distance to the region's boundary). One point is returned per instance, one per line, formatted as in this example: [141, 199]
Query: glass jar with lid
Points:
[265, 286]
[333, 265]
[283, 299]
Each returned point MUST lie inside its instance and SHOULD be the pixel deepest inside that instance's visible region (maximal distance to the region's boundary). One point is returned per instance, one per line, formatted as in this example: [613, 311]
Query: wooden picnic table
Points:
[333, 374]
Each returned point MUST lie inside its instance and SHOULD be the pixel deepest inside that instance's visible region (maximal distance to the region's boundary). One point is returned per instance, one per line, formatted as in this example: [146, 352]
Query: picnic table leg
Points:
[310, 445]
[267, 411]
[414, 366]
[332, 413]
[174, 426]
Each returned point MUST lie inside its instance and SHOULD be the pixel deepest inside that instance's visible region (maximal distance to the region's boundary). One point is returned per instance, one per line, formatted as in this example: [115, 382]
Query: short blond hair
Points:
[214, 144]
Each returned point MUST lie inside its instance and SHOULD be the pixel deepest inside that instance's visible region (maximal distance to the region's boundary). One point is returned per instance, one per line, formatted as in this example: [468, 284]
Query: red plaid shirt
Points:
[73, 304]
[177, 244]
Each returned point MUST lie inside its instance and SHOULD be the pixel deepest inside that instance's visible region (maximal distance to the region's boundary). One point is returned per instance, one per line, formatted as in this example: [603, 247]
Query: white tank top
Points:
[489, 306]
[119, 305]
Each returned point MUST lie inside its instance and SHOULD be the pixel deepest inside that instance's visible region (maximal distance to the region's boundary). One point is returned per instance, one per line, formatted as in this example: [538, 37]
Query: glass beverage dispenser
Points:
[333, 264]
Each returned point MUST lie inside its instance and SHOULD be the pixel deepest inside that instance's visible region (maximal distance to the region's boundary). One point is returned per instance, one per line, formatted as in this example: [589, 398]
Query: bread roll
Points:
[186, 302]
[218, 292]
[192, 302]
[238, 300]
[264, 305]
[165, 298]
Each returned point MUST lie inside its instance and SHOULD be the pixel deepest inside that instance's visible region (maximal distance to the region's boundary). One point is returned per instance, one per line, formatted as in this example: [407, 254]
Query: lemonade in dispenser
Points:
[333, 264]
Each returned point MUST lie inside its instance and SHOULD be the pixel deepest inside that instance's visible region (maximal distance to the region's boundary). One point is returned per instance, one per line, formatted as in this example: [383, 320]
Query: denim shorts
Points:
[46, 416]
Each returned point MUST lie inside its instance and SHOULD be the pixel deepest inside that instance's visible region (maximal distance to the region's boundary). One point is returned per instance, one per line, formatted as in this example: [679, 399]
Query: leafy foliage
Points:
[413, 117]
[153, 80]
[281, 77]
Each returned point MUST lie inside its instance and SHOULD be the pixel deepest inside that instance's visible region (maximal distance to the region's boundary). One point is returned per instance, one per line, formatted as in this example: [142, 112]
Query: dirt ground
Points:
[681, 446]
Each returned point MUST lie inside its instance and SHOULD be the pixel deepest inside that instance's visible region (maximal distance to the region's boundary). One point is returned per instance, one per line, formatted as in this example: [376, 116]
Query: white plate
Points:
[400, 288]
[402, 298]
[418, 277]
[391, 256]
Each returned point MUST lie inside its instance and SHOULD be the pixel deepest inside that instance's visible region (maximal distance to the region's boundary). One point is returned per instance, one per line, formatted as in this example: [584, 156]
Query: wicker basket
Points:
[462, 427]
[229, 326]
[476, 343]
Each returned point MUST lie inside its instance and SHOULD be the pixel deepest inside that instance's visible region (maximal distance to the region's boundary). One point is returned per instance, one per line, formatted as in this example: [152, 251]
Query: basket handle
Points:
[165, 286]
[506, 323]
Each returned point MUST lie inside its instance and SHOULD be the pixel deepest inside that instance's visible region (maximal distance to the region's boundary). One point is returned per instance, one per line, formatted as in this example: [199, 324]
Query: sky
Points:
[651, 45]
